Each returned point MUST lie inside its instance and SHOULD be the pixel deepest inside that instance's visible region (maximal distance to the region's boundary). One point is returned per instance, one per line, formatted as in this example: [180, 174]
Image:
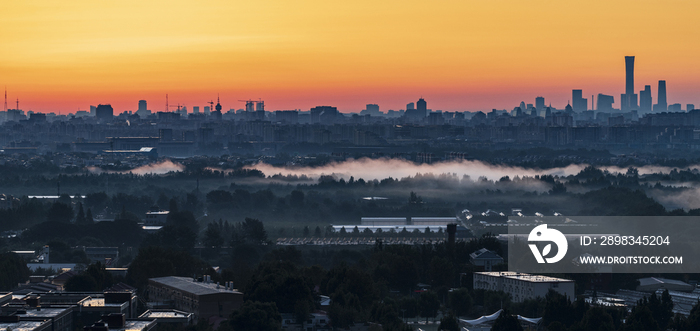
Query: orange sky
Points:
[458, 55]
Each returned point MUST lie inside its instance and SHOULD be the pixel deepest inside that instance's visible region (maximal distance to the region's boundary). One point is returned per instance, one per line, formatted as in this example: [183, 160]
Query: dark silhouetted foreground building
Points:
[204, 299]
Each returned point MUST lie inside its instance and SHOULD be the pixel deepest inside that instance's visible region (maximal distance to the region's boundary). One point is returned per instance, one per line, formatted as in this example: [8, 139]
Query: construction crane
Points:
[178, 106]
[167, 106]
[211, 105]
[249, 104]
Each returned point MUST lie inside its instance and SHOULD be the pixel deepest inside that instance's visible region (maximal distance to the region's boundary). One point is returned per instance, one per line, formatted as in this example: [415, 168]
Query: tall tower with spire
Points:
[218, 104]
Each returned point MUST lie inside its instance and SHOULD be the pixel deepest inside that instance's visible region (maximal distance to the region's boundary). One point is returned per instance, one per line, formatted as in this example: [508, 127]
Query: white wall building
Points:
[374, 221]
[156, 217]
[522, 286]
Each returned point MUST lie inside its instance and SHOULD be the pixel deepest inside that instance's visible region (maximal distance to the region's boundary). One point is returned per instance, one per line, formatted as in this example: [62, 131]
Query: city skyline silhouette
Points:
[459, 55]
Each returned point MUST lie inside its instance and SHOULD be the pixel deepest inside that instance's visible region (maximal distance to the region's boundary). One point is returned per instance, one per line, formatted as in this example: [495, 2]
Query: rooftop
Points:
[21, 325]
[658, 280]
[45, 312]
[188, 285]
[165, 314]
[485, 254]
[134, 326]
[162, 212]
[51, 197]
[98, 302]
[101, 249]
[525, 277]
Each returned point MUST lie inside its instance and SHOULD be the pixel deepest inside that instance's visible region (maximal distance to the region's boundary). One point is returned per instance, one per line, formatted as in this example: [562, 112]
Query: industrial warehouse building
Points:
[203, 298]
[397, 224]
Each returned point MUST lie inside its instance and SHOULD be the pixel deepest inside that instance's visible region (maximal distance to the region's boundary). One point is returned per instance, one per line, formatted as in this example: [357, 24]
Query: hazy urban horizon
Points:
[459, 56]
[345, 104]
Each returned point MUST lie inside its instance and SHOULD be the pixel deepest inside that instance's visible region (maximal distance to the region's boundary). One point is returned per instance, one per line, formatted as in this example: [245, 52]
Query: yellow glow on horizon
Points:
[59, 54]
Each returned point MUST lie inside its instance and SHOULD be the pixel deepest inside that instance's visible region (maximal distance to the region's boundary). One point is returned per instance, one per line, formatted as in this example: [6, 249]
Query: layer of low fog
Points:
[447, 181]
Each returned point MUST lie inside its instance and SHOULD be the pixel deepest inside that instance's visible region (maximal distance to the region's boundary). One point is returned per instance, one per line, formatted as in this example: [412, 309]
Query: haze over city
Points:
[356, 165]
[465, 56]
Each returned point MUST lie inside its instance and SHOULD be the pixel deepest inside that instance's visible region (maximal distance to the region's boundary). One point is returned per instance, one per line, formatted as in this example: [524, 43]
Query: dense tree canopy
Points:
[14, 271]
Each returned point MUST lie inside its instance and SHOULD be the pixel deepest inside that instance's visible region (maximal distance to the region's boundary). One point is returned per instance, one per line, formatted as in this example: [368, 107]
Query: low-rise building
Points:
[202, 298]
[522, 286]
[13, 323]
[156, 217]
[118, 322]
[107, 256]
[485, 258]
[168, 316]
[653, 284]
[61, 318]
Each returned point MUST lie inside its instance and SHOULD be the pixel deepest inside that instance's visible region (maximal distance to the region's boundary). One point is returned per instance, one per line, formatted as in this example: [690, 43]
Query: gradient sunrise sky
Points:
[459, 55]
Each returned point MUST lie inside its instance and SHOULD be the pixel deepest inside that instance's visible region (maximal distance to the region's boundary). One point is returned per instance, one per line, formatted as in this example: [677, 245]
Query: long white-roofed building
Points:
[522, 286]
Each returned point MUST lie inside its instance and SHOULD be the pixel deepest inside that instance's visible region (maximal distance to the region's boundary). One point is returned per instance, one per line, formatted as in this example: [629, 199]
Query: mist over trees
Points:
[232, 220]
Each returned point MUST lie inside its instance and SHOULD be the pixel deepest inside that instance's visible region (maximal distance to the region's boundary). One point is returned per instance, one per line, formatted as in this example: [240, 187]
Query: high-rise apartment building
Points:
[422, 107]
[604, 103]
[143, 108]
[580, 104]
[539, 103]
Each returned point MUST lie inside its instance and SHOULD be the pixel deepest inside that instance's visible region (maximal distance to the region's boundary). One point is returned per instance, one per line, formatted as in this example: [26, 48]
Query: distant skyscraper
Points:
[92, 110]
[207, 110]
[419, 113]
[629, 99]
[371, 109]
[661, 105]
[539, 103]
[629, 74]
[676, 107]
[143, 108]
[689, 107]
[410, 105]
[605, 103]
[645, 99]
[422, 107]
[104, 112]
[580, 104]
[195, 110]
